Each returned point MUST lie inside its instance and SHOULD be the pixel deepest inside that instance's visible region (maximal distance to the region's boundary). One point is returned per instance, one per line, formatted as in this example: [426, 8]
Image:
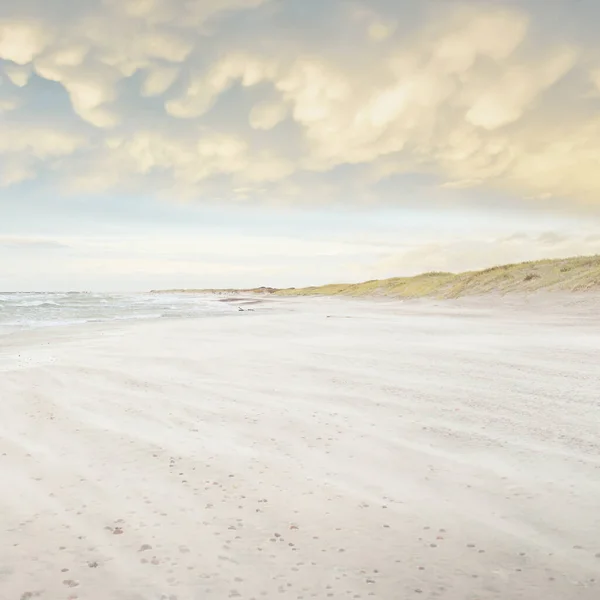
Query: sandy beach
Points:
[312, 448]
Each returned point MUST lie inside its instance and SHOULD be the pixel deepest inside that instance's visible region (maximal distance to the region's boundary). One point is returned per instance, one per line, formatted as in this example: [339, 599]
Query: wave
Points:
[35, 309]
[37, 303]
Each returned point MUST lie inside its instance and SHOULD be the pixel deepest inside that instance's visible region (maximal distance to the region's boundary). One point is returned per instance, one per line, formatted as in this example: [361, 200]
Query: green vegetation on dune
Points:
[421, 285]
[570, 274]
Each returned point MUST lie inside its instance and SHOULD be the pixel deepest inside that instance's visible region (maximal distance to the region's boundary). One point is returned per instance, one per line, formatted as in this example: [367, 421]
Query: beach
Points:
[309, 448]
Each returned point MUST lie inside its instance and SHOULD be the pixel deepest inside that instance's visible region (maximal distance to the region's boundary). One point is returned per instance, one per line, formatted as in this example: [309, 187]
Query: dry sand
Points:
[308, 449]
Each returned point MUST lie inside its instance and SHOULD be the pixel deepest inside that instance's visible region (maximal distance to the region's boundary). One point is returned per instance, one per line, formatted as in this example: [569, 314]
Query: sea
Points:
[31, 310]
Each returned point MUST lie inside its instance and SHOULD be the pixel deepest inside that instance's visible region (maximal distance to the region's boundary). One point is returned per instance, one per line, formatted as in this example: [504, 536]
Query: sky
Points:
[238, 143]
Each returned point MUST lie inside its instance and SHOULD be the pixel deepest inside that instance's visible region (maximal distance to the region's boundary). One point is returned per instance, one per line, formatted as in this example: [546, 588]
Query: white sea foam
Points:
[46, 309]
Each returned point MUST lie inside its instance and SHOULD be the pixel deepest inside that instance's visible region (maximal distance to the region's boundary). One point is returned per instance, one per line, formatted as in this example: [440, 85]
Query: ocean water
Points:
[20, 311]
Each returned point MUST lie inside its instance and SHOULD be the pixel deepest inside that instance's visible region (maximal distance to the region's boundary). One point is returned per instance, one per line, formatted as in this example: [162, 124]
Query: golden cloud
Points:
[470, 96]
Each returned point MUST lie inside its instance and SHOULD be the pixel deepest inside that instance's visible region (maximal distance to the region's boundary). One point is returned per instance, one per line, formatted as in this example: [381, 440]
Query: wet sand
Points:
[308, 449]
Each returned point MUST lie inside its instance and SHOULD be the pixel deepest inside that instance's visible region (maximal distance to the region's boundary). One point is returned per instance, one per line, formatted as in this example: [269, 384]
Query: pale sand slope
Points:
[395, 451]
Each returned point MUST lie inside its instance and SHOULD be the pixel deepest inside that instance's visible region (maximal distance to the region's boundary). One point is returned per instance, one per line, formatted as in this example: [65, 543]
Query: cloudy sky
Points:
[178, 143]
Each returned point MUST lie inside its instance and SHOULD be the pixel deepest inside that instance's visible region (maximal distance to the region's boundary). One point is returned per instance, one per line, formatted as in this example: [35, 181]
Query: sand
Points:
[308, 449]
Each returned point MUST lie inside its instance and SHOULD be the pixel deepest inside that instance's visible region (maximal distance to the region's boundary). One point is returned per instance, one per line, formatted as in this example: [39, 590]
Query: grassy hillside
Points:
[570, 274]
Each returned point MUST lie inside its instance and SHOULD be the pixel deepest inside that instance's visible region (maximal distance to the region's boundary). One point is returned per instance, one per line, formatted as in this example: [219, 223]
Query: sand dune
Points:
[309, 449]
[577, 274]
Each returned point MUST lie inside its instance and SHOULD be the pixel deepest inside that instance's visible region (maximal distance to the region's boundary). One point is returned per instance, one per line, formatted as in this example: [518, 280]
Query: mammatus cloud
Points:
[24, 147]
[157, 94]
[267, 115]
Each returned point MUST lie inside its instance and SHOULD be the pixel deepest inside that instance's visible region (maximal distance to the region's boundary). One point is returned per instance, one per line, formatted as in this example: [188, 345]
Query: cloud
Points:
[267, 115]
[158, 80]
[17, 74]
[30, 243]
[508, 98]
[13, 172]
[38, 142]
[22, 41]
[376, 28]
[203, 98]
[25, 146]
[203, 90]
[8, 104]
[188, 160]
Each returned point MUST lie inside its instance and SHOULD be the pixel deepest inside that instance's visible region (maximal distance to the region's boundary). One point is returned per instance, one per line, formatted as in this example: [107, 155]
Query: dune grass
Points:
[571, 274]
[577, 274]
